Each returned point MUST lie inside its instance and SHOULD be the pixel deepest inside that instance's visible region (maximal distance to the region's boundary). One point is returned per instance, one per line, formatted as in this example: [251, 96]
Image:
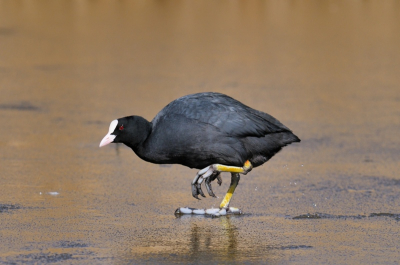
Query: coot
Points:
[208, 131]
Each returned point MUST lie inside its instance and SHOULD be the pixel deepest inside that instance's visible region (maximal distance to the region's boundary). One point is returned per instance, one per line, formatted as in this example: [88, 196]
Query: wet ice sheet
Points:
[329, 71]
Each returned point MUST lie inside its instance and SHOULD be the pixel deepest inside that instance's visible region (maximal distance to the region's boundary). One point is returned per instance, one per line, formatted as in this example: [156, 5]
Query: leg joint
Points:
[247, 167]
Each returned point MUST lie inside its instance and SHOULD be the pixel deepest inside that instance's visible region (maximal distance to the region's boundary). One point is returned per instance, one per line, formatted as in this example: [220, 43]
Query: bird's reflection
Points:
[218, 241]
[205, 241]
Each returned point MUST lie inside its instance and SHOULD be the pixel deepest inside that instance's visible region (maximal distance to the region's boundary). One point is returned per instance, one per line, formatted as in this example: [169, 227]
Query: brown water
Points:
[329, 70]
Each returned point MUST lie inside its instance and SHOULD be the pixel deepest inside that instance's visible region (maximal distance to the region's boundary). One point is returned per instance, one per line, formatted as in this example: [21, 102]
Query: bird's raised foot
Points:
[213, 212]
[207, 175]
[212, 172]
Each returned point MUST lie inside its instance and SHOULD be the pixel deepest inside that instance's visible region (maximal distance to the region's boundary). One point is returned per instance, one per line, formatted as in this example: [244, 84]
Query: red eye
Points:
[121, 128]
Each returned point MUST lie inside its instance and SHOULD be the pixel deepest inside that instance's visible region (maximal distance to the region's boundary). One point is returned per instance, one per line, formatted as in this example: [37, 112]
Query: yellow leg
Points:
[246, 168]
[234, 179]
[216, 169]
[234, 182]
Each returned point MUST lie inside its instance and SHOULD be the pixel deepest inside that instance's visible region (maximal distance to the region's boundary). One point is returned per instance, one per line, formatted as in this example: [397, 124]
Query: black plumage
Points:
[203, 129]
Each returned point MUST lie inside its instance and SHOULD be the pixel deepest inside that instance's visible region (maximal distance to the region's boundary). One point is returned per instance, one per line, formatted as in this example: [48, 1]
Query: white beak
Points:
[109, 138]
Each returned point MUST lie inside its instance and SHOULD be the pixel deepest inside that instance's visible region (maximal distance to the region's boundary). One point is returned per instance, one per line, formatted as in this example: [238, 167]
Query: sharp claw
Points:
[208, 174]
[209, 188]
[194, 192]
[199, 190]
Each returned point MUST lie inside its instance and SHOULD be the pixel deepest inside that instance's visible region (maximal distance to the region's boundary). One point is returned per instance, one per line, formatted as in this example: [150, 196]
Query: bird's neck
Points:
[143, 129]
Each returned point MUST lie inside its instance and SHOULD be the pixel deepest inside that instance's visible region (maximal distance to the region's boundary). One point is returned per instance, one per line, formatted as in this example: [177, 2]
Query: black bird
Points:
[208, 131]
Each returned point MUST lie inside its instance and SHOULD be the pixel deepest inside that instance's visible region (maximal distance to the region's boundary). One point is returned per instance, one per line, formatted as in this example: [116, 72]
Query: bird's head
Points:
[128, 130]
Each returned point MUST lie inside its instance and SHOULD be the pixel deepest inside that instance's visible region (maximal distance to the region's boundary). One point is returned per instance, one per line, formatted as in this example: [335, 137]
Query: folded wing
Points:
[226, 114]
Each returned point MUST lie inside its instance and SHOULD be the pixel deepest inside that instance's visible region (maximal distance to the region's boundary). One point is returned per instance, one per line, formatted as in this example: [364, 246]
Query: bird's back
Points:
[225, 113]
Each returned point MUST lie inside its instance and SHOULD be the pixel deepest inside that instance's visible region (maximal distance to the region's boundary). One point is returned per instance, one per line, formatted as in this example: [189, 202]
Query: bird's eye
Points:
[121, 128]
